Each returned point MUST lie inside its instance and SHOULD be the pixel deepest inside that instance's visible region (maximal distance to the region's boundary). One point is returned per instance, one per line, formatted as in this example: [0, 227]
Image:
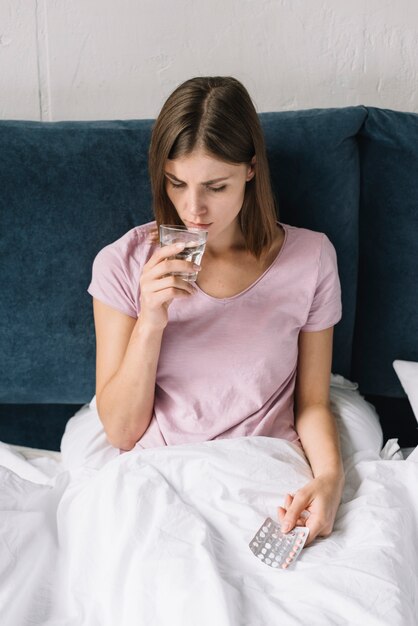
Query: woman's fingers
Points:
[163, 263]
[169, 266]
[164, 252]
[314, 506]
[158, 274]
[160, 283]
[281, 511]
[153, 236]
[288, 499]
[295, 505]
[172, 282]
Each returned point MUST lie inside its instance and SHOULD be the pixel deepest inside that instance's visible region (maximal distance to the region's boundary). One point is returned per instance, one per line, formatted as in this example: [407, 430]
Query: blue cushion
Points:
[67, 189]
[387, 315]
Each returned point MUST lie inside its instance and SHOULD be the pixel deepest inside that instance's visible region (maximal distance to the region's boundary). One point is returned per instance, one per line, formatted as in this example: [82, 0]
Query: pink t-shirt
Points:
[227, 366]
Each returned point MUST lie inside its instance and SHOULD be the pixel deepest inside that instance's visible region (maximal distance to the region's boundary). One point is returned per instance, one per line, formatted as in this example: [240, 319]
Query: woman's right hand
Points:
[159, 287]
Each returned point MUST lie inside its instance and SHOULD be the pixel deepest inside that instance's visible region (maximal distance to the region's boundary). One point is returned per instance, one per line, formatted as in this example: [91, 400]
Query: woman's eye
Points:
[217, 188]
[176, 186]
[181, 185]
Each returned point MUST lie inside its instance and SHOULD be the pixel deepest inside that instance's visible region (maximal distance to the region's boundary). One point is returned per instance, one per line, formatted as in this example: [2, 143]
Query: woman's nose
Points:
[195, 203]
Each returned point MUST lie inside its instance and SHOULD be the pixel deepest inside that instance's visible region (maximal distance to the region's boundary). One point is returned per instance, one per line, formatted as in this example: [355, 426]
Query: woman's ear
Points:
[251, 169]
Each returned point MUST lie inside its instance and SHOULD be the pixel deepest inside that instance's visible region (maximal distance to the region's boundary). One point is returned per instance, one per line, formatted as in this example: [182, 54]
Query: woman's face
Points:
[209, 192]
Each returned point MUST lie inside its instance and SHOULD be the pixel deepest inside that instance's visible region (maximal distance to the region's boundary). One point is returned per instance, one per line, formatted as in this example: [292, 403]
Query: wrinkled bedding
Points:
[160, 536]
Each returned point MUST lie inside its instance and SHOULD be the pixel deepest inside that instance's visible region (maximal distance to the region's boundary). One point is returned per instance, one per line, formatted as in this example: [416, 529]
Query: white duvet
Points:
[160, 537]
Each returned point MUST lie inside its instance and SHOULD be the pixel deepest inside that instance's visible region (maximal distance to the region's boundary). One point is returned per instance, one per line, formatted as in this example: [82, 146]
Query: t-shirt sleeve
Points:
[325, 310]
[110, 282]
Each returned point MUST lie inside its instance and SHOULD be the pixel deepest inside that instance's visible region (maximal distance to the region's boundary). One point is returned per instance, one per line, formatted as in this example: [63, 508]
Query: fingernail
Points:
[285, 527]
[180, 245]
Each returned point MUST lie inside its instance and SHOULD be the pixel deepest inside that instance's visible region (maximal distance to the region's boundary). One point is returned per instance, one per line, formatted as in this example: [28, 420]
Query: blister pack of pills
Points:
[275, 548]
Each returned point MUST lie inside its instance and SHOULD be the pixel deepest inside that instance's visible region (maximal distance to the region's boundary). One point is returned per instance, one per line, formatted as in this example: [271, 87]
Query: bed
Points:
[161, 536]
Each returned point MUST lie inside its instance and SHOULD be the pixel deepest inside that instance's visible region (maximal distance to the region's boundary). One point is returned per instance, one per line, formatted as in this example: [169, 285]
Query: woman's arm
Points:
[314, 421]
[316, 427]
[128, 350]
[127, 353]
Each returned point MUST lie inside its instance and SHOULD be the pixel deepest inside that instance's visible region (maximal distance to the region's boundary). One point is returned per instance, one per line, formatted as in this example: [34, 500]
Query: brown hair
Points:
[215, 114]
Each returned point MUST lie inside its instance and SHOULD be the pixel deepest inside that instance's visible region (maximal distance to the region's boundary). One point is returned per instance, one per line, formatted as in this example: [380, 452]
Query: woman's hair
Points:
[215, 114]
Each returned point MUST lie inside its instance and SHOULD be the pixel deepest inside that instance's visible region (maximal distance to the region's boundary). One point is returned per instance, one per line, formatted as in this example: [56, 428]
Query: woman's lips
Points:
[201, 226]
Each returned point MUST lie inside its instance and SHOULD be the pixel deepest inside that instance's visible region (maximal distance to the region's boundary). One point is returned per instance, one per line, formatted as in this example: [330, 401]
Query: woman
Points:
[245, 351]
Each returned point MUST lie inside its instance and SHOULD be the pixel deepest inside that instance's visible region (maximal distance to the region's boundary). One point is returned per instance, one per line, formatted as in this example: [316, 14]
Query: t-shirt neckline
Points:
[260, 278]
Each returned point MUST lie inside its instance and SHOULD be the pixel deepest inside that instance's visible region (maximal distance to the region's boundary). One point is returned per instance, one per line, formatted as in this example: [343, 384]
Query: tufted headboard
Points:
[69, 188]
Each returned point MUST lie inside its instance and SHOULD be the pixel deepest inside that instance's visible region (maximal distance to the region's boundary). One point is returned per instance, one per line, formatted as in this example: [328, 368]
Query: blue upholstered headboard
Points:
[69, 188]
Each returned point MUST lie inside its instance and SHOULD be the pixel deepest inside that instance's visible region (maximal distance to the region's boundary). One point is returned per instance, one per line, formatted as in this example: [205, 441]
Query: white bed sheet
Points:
[161, 537]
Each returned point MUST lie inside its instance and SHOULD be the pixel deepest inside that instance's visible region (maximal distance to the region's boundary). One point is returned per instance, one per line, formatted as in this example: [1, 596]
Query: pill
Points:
[292, 553]
[274, 564]
[284, 565]
[288, 560]
[268, 545]
[268, 561]
[271, 555]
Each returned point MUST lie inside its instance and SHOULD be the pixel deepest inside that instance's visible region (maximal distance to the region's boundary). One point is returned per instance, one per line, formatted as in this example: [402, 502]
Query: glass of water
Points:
[195, 240]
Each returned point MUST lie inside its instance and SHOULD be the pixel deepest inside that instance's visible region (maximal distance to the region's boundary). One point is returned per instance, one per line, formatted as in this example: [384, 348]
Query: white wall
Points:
[119, 59]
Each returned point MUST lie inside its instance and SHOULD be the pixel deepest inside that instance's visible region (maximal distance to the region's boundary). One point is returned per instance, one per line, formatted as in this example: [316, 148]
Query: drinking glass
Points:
[195, 240]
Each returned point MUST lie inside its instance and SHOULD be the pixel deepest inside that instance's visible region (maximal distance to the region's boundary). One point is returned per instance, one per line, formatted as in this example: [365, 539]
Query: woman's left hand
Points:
[315, 505]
